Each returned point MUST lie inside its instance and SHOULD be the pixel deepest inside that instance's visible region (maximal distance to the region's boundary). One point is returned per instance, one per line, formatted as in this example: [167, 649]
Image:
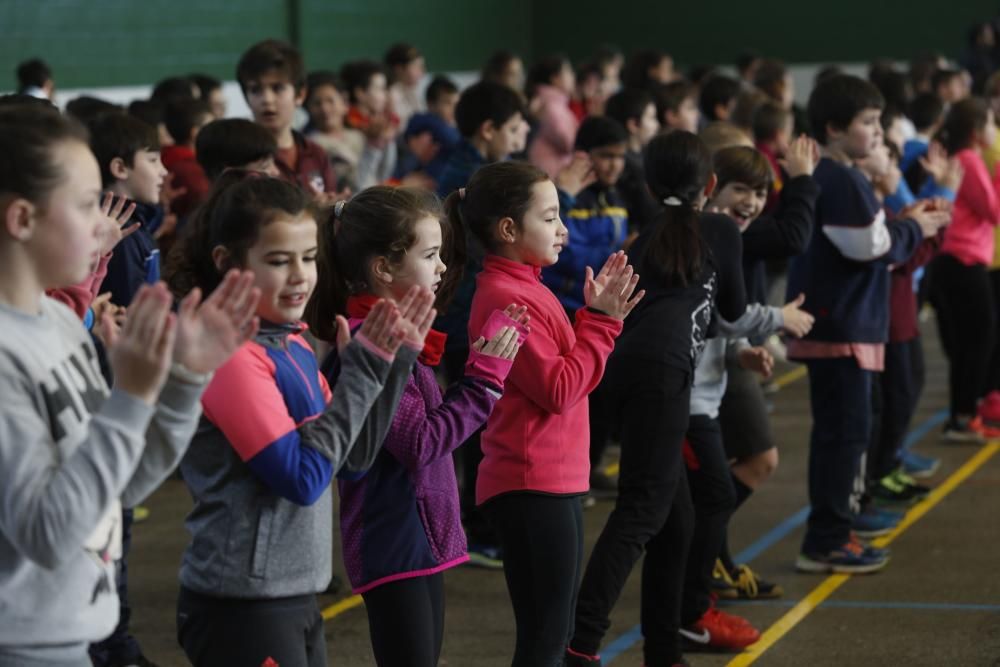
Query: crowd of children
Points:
[460, 259]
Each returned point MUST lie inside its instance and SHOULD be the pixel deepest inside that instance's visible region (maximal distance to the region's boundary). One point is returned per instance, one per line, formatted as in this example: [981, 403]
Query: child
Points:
[774, 80]
[648, 68]
[442, 97]
[595, 218]
[72, 453]
[772, 135]
[327, 113]
[505, 68]
[369, 112]
[588, 98]
[211, 94]
[272, 78]
[677, 106]
[128, 153]
[552, 81]
[718, 98]
[690, 264]
[535, 466]
[260, 466]
[184, 119]
[968, 324]
[428, 142]
[387, 241]
[844, 273]
[34, 78]
[635, 111]
[236, 143]
[950, 85]
[927, 114]
[407, 70]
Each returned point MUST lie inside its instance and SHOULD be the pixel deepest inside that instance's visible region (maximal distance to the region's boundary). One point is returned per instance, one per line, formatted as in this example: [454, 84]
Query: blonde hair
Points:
[720, 134]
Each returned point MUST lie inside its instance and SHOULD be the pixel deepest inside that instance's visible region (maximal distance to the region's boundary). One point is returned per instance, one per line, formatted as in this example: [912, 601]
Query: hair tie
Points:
[673, 201]
[338, 208]
[461, 194]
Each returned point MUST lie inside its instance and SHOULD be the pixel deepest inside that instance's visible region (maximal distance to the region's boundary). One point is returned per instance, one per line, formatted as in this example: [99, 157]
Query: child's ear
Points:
[221, 258]
[381, 270]
[710, 186]
[19, 218]
[118, 168]
[507, 230]
[487, 131]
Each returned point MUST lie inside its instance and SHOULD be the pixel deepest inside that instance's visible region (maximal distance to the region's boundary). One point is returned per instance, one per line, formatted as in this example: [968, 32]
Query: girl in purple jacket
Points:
[400, 522]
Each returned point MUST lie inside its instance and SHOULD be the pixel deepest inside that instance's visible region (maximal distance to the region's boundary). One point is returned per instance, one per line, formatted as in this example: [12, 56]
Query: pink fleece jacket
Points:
[970, 236]
[538, 436]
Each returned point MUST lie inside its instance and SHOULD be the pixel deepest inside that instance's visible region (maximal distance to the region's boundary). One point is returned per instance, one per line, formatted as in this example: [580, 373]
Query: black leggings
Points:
[653, 511]
[406, 621]
[714, 498]
[542, 540]
[962, 296]
[245, 633]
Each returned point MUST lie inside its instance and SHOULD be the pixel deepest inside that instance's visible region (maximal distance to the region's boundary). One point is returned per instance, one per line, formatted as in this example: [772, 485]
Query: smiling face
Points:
[608, 163]
[283, 261]
[272, 100]
[64, 242]
[420, 266]
[541, 236]
[743, 202]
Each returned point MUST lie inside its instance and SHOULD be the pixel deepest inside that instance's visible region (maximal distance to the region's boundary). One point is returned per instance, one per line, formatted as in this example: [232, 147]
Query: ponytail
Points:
[678, 168]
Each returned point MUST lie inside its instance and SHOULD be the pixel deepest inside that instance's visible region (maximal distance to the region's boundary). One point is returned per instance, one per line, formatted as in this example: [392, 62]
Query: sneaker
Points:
[486, 556]
[956, 430]
[719, 631]
[576, 659]
[986, 431]
[588, 500]
[852, 558]
[989, 408]
[898, 488]
[919, 466]
[873, 522]
[745, 584]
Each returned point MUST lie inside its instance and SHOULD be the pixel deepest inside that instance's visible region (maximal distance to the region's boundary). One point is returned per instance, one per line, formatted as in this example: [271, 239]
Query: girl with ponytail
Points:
[401, 522]
[536, 463]
[690, 263]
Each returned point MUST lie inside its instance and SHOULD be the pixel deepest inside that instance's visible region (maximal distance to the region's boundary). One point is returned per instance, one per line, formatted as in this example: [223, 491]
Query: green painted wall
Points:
[121, 42]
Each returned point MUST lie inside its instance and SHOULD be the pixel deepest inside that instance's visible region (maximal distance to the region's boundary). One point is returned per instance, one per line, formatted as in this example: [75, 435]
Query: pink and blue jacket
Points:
[262, 460]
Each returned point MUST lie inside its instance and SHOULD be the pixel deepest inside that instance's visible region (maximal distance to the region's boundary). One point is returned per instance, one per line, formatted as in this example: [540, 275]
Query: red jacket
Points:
[969, 238]
[538, 436]
[312, 169]
[188, 174]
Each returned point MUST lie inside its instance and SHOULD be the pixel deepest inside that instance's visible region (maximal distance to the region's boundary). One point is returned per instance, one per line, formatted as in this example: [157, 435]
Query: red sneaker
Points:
[989, 408]
[979, 426]
[719, 631]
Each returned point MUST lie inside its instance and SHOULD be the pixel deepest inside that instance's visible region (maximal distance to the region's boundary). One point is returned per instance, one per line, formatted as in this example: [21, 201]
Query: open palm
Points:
[209, 333]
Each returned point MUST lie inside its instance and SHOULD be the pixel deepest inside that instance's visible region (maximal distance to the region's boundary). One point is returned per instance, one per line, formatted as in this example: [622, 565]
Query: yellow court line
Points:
[816, 597]
[781, 382]
[344, 605]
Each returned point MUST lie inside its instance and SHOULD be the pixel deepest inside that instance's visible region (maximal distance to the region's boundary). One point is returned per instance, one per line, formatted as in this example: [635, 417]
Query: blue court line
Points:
[769, 539]
[859, 604]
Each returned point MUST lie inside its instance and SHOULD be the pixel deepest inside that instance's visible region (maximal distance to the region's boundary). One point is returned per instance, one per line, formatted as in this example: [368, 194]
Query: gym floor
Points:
[937, 603]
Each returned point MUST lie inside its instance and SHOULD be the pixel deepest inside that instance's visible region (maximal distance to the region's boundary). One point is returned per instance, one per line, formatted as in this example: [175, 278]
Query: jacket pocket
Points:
[262, 541]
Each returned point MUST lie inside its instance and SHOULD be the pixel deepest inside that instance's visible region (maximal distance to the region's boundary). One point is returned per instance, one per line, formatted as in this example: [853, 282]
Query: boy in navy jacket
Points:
[845, 272]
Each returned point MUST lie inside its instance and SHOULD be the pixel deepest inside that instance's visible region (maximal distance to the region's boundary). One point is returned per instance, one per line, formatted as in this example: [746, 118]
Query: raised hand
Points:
[141, 353]
[802, 157]
[611, 290]
[416, 314]
[210, 332]
[114, 216]
[379, 328]
[577, 175]
[757, 359]
[946, 172]
[503, 344]
[797, 321]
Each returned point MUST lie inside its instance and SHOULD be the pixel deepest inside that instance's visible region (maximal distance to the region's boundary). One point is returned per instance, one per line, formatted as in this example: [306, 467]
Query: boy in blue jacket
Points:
[595, 216]
[845, 273]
